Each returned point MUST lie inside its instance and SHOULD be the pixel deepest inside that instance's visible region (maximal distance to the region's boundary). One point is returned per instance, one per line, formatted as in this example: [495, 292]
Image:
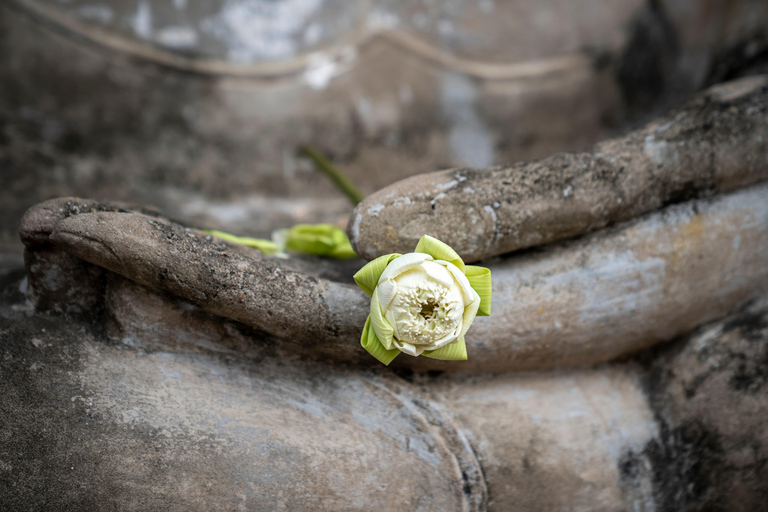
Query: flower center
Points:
[425, 310]
[428, 308]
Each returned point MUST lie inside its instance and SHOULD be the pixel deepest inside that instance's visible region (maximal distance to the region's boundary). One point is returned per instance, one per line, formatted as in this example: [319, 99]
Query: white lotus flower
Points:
[422, 302]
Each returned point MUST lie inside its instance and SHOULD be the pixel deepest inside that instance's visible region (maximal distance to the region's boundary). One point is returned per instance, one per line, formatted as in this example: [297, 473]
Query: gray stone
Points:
[89, 425]
[56, 279]
[578, 303]
[64, 283]
[318, 314]
[709, 394]
[715, 143]
[171, 395]
[166, 419]
[615, 292]
[93, 108]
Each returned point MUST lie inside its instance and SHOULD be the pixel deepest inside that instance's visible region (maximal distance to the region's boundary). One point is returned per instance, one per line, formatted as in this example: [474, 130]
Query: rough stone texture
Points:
[145, 401]
[612, 293]
[61, 282]
[98, 102]
[263, 294]
[39, 220]
[219, 145]
[193, 419]
[152, 322]
[57, 280]
[89, 425]
[578, 303]
[709, 394]
[550, 441]
[716, 142]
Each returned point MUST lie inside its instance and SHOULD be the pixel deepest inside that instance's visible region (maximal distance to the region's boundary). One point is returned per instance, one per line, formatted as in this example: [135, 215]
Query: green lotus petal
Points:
[317, 239]
[480, 279]
[371, 343]
[368, 277]
[380, 325]
[451, 352]
[439, 251]
[265, 246]
[343, 251]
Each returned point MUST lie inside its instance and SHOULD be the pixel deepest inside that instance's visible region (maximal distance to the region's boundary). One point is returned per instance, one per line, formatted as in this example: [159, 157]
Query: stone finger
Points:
[260, 293]
[717, 142]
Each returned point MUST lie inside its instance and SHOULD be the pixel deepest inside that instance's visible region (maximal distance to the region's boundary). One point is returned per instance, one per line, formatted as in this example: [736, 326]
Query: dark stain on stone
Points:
[748, 56]
[697, 462]
[682, 463]
[404, 373]
[467, 485]
[750, 376]
[751, 371]
[684, 192]
[602, 59]
[162, 275]
[644, 66]
[748, 322]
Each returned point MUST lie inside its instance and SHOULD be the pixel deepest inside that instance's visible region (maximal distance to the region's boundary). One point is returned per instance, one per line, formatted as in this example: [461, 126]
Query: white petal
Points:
[406, 347]
[446, 340]
[390, 316]
[469, 293]
[469, 315]
[413, 278]
[387, 290]
[402, 264]
[438, 272]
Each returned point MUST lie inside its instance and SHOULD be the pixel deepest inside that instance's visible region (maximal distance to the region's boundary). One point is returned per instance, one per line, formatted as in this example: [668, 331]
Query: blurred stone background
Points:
[200, 108]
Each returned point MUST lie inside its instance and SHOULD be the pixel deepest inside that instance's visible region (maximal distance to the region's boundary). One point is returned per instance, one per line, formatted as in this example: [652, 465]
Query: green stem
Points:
[336, 176]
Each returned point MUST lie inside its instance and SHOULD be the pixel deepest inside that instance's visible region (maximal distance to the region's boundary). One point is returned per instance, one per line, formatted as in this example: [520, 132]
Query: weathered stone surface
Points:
[170, 259]
[94, 107]
[578, 303]
[621, 290]
[142, 319]
[56, 279]
[161, 421]
[144, 401]
[709, 394]
[89, 425]
[716, 142]
[91, 111]
[61, 282]
[552, 441]
[39, 220]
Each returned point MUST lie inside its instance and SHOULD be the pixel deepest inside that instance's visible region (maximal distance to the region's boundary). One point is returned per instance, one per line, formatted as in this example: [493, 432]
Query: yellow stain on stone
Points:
[391, 233]
[540, 311]
[695, 227]
[690, 236]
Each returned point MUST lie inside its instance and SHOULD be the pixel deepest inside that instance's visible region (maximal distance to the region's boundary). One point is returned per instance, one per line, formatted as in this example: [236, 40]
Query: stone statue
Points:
[148, 365]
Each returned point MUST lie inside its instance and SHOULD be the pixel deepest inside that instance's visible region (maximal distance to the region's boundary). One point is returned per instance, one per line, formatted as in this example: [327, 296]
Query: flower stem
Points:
[335, 174]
